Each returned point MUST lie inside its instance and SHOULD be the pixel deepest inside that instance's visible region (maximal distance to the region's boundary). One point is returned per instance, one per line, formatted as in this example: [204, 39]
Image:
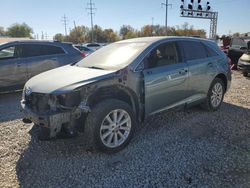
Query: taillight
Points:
[83, 54]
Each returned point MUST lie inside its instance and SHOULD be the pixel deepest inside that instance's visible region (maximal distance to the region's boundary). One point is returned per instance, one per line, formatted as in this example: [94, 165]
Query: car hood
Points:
[245, 57]
[65, 79]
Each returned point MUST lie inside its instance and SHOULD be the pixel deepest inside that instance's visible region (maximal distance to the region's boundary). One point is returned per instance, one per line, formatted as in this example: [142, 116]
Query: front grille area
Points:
[38, 102]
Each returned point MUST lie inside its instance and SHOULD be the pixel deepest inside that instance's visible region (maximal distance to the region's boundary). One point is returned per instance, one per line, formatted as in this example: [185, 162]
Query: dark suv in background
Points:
[21, 60]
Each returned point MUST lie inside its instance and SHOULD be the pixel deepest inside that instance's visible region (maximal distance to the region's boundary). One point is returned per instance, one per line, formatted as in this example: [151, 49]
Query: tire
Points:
[44, 134]
[245, 74]
[215, 93]
[100, 131]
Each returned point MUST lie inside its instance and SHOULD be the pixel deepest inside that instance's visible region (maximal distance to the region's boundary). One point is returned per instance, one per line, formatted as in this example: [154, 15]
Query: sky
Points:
[46, 15]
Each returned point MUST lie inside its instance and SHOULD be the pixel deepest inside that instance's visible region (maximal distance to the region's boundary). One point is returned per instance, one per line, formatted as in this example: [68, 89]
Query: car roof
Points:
[150, 40]
[36, 42]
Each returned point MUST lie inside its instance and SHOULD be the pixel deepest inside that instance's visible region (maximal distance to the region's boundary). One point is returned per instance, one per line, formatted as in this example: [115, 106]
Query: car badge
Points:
[28, 91]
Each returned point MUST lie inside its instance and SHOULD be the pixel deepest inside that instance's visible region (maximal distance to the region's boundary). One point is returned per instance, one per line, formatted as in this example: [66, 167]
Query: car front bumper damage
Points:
[244, 66]
[54, 120]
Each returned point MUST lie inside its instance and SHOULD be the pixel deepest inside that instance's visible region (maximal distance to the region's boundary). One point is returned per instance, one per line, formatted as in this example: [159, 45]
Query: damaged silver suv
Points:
[111, 91]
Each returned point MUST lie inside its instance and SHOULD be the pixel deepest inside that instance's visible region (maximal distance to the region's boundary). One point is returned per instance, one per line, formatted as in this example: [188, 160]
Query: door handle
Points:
[149, 72]
[19, 64]
[210, 64]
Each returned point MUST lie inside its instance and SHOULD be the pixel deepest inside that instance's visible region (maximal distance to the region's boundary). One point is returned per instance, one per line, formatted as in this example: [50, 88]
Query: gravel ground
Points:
[191, 148]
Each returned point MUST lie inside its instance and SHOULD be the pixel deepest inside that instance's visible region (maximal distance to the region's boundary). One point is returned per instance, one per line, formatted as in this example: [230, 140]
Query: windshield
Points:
[114, 56]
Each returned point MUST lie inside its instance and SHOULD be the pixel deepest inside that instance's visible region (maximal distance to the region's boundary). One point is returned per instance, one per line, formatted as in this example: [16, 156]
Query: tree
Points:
[126, 31]
[2, 32]
[78, 35]
[147, 31]
[59, 37]
[19, 30]
[188, 30]
[98, 34]
[110, 35]
[237, 34]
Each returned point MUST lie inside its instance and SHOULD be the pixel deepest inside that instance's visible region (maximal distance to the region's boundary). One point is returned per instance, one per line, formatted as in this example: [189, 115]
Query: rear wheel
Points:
[43, 133]
[215, 95]
[109, 126]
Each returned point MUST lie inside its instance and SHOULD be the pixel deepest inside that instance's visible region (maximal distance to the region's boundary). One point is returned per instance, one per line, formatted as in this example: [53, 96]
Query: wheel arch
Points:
[115, 92]
[223, 78]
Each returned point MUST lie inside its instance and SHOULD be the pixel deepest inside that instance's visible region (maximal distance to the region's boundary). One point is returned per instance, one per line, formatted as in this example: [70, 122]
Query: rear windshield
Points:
[114, 56]
[238, 43]
[93, 45]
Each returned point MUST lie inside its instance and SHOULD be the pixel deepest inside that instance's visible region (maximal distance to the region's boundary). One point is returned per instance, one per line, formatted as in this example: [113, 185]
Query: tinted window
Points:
[7, 52]
[82, 48]
[93, 45]
[31, 50]
[210, 51]
[193, 50]
[165, 54]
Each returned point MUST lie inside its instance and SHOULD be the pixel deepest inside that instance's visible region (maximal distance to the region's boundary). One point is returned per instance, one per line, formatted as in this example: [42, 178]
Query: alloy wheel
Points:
[217, 95]
[115, 128]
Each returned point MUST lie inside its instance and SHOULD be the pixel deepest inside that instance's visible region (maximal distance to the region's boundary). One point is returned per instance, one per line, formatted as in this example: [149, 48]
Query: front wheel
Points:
[215, 95]
[109, 126]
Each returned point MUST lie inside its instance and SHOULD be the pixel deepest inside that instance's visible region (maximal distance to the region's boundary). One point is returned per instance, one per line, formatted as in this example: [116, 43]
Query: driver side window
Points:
[164, 54]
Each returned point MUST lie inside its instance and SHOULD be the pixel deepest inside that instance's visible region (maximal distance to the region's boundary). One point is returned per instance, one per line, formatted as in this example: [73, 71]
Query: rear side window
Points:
[210, 51]
[82, 48]
[93, 45]
[10, 52]
[193, 50]
[32, 50]
[7, 53]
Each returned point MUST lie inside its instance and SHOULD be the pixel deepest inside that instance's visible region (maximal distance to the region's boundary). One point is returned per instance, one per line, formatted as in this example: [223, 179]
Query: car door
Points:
[165, 77]
[40, 58]
[13, 70]
[199, 68]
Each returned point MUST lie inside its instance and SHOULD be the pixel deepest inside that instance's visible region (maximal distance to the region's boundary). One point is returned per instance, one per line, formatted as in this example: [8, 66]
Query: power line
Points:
[65, 23]
[166, 19]
[91, 8]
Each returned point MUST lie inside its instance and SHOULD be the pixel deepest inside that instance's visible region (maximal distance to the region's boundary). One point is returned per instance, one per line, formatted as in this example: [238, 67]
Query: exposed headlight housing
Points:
[70, 100]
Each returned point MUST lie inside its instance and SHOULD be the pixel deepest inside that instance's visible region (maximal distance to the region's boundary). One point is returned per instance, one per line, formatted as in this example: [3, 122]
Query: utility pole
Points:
[90, 7]
[166, 19]
[74, 24]
[65, 23]
[152, 26]
[42, 37]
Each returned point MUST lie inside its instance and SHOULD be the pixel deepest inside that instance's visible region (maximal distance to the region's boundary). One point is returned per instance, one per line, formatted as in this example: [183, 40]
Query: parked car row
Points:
[21, 60]
[85, 50]
[244, 62]
[234, 47]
